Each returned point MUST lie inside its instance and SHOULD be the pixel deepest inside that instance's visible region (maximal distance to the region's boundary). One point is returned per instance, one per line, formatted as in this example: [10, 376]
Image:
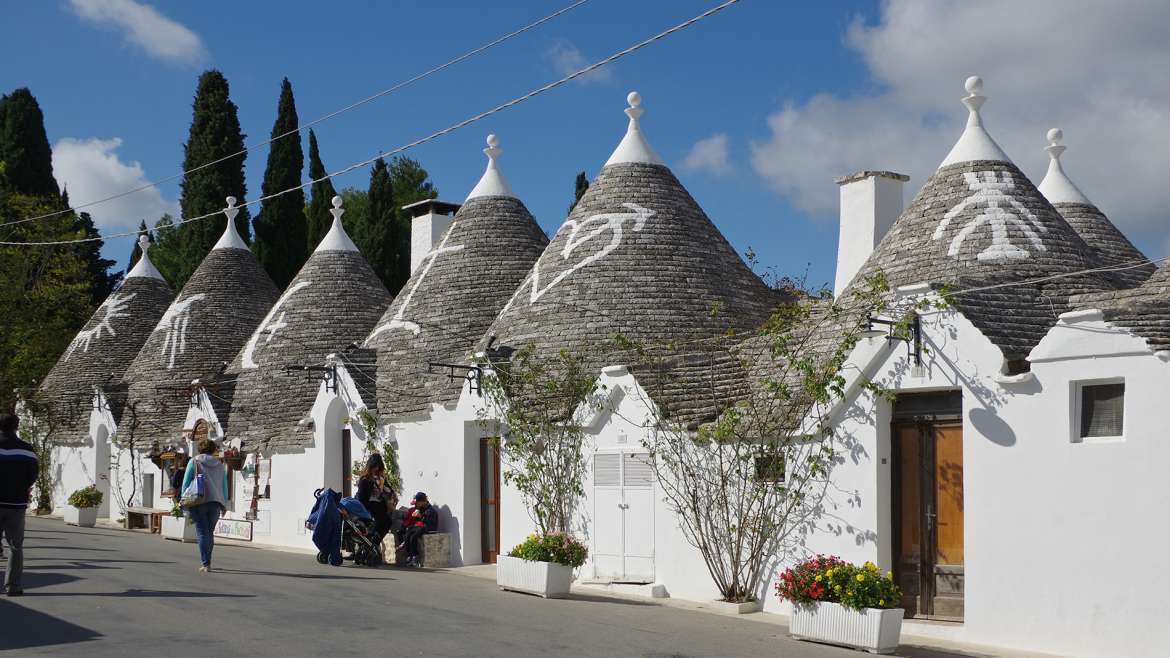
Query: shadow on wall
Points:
[449, 524]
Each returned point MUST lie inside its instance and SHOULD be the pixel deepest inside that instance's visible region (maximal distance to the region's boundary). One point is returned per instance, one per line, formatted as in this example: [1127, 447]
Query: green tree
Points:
[136, 252]
[378, 236]
[357, 206]
[214, 135]
[165, 248]
[317, 212]
[281, 243]
[24, 146]
[582, 186]
[411, 184]
[44, 289]
[102, 281]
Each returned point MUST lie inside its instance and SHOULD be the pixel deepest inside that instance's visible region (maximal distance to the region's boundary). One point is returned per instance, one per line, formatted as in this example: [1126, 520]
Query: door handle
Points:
[623, 506]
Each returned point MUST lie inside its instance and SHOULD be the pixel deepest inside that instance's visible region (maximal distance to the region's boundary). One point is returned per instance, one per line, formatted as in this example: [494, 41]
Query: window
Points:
[1100, 410]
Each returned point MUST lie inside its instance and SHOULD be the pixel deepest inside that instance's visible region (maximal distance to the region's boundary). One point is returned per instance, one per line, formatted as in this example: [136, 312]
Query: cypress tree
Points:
[323, 192]
[582, 186]
[24, 146]
[136, 252]
[377, 237]
[102, 282]
[214, 134]
[281, 243]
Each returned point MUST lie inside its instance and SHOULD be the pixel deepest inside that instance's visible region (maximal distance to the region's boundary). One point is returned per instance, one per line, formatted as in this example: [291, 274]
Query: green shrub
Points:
[553, 547]
[87, 497]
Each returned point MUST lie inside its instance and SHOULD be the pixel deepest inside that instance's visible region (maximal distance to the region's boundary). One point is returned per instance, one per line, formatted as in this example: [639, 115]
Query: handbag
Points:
[196, 493]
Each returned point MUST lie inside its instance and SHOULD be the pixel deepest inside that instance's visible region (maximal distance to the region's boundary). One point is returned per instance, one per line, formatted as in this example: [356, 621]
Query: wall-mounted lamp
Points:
[912, 336]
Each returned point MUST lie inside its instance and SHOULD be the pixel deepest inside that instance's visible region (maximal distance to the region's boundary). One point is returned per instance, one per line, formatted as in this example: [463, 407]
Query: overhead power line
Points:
[435, 135]
[405, 83]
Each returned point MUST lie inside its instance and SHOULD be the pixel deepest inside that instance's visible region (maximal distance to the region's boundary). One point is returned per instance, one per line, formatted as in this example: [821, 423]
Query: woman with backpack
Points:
[204, 507]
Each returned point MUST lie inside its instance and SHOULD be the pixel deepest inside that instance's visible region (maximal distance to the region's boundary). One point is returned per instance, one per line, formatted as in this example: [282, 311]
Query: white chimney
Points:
[429, 218]
[870, 202]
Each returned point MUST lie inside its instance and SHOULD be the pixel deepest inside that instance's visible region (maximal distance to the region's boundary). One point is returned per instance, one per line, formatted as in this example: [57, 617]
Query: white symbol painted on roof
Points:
[113, 308]
[174, 322]
[993, 189]
[613, 222]
[269, 325]
[398, 321]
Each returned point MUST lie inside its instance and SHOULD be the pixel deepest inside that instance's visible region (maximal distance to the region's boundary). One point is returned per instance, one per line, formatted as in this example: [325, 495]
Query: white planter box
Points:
[727, 608]
[179, 528]
[546, 579]
[872, 629]
[84, 517]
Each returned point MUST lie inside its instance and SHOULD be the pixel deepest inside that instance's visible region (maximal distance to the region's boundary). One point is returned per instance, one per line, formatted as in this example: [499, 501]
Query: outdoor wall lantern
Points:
[911, 334]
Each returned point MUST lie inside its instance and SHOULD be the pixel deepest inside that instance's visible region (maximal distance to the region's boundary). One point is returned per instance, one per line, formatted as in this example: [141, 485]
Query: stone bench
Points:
[435, 554]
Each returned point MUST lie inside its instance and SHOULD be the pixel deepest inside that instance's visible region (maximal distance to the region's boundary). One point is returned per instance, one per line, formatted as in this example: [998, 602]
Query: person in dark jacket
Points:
[375, 496]
[18, 474]
[419, 521]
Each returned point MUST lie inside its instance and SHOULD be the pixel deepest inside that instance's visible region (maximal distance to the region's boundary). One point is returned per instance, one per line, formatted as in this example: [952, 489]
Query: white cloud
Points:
[567, 58]
[709, 155]
[145, 26]
[1097, 70]
[90, 169]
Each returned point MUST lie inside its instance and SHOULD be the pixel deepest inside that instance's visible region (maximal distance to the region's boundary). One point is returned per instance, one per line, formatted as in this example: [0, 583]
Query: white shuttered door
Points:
[623, 498]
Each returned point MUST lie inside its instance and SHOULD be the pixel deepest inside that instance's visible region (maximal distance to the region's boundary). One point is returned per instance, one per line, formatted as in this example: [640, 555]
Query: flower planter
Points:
[84, 517]
[873, 629]
[546, 579]
[179, 528]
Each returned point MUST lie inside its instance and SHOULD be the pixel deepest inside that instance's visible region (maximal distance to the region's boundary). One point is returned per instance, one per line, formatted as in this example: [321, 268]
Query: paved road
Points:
[101, 592]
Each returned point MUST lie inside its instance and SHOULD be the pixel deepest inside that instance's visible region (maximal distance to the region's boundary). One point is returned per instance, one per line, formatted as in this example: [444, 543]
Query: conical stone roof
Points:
[100, 353]
[639, 257]
[454, 294]
[979, 222]
[332, 302]
[1109, 244]
[1144, 310]
[204, 328]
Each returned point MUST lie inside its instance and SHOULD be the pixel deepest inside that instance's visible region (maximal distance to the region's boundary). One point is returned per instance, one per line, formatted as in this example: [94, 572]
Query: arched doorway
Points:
[337, 460]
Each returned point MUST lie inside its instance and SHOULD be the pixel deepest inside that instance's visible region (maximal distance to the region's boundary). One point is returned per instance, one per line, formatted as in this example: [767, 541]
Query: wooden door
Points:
[928, 517]
[489, 499]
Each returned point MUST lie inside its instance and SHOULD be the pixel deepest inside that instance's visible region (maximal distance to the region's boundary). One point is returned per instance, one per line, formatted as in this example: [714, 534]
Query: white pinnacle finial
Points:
[230, 238]
[634, 147]
[1056, 186]
[975, 143]
[336, 239]
[492, 183]
[144, 268]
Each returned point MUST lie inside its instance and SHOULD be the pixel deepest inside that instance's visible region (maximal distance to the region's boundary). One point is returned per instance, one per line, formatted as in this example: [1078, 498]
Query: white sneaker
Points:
[205, 569]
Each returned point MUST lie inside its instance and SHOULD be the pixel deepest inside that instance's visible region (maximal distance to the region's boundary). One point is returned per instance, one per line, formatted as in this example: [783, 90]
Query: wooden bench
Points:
[145, 518]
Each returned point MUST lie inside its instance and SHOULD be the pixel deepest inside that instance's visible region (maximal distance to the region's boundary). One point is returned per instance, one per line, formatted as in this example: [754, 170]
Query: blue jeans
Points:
[205, 517]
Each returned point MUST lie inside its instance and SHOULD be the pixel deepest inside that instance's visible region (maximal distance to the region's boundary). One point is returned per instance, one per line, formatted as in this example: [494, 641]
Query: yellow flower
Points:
[860, 577]
[882, 602]
[829, 573]
[889, 574]
[818, 579]
[837, 588]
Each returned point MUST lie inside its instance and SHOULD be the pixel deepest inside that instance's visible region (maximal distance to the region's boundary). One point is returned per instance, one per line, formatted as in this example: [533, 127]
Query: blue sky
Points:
[792, 93]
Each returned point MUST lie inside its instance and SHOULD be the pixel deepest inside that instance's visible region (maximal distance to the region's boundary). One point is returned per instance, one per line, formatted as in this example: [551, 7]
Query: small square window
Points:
[1102, 410]
[771, 467]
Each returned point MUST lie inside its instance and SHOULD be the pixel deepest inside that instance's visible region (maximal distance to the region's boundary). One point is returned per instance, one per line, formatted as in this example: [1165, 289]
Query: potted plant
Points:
[841, 603]
[233, 458]
[82, 510]
[542, 565]
[177, 526]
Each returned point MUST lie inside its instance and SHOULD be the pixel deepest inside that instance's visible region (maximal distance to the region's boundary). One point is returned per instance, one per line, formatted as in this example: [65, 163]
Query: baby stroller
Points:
[342, 524]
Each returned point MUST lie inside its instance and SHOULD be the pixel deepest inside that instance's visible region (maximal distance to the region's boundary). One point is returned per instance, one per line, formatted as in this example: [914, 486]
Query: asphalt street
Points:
[104, 592]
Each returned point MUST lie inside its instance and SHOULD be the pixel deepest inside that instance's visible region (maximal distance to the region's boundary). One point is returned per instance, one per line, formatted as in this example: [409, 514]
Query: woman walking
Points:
[207, 514]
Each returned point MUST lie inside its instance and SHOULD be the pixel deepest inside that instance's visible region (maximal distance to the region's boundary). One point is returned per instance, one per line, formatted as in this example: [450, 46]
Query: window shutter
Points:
[638, 472]
[1102, 410]
[607, 470]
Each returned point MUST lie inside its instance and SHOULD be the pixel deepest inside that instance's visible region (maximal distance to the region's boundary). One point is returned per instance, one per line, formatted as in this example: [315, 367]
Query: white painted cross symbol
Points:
[269, 326]
[993, 189]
